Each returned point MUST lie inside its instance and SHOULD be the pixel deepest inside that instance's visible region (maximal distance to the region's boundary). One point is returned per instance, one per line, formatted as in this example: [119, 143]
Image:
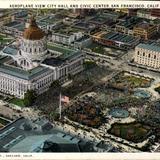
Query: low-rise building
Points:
[144, 13]
[104, 20]
[83, 42]
[66, 35]
[116, 40]
[85, 27]
[145, 30]
[127, 24]
[14, 28]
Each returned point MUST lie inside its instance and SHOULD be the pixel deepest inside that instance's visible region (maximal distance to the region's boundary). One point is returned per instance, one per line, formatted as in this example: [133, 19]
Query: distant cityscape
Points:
[80, 80]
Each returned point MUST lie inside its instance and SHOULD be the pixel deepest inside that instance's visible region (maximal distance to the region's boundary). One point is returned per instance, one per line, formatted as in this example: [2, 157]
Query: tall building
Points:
[147, 55]
[34, 64]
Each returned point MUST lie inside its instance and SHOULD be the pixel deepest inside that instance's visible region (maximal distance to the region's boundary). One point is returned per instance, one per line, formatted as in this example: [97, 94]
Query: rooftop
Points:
[84, 25]
[15, 136]
[19, 72]
[151, 47]
[111, 14]
[119, 37]
[10, 50]
[130, 22]
[66, 30]
[65, 52]
[100, 19]
[47, 20]
[13, 24]
[20, 27]
[21, 14]
[144, 25]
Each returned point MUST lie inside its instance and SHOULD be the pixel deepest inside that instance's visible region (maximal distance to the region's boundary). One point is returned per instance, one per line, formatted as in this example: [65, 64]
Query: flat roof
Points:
[144, 25]
[99, 19]
[31, 143]
[83, 38]
[119, 37]
[13, 138]
[21, 14]
[66, 53]
[48, 20]
[84, 25]
[111, 14]
[20, 27]
[10, 50]
[12, 24]
[130, 22]
[66, 31]
[151, 47]
[19, 72]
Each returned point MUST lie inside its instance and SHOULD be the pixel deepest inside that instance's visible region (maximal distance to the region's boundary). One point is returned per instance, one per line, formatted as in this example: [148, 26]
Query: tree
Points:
[70, 76]
[30, 97]
[55, 84]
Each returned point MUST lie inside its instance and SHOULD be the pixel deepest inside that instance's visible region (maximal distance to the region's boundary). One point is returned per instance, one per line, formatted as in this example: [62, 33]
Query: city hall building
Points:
[32, 64]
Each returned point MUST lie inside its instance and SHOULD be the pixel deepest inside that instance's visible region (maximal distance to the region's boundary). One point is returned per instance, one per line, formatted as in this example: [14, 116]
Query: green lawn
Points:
[18, 102]
[131, 81]
[89, 64]
[135, 80]
[3, 122]
[134, 132]
[97, 48]
[4, 39]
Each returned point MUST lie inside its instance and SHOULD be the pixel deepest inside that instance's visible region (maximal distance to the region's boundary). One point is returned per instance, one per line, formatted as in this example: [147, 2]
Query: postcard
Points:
[79, 80]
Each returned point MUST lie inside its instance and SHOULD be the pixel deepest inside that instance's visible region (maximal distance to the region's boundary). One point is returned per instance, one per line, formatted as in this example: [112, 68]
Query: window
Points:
[143, 54]
[149, 55]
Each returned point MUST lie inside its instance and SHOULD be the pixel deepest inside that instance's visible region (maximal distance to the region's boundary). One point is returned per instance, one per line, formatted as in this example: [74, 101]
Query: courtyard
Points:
[135, 132]
[128, 81]
[5, 39]
[98, 48]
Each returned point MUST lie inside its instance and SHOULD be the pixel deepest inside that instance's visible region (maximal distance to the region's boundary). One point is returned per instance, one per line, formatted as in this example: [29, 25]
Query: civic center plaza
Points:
[32, 64]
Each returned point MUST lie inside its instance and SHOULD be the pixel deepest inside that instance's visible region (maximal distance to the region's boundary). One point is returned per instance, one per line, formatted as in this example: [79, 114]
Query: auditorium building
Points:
[148, 55]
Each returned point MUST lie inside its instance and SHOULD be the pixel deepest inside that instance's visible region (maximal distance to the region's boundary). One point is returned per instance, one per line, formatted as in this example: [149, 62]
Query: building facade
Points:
[66, 38]
[126, 25]
[147, 55]
[115, 40]
[145, 31]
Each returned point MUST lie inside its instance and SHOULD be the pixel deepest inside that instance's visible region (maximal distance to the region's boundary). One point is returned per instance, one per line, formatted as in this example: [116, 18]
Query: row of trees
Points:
[29, 97]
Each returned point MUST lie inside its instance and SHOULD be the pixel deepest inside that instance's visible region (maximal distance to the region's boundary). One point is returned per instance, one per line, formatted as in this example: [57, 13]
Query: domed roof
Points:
[33, 32]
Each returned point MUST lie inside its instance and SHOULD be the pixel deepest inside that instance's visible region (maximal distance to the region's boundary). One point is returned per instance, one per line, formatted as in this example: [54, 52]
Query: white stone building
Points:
[66, 38]
[148, 55]
[33, 65]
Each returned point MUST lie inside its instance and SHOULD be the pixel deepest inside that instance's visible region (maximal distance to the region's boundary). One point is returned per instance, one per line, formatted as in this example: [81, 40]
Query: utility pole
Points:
[60, 106]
